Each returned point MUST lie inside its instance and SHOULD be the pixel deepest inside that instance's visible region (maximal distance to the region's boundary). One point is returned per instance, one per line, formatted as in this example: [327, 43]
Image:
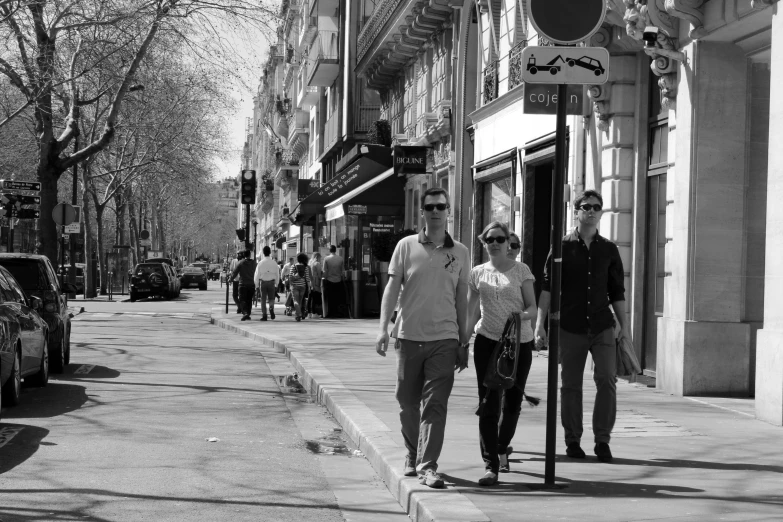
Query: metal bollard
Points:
[111, 285]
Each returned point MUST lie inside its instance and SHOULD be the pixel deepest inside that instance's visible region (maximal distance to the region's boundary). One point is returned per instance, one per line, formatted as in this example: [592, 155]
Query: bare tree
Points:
[65, 55]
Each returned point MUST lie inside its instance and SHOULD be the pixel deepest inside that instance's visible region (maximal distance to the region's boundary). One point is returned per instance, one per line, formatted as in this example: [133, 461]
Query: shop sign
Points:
[381, 227]
[542, 99]
[356, 209]
[410, 160]
[307, 187]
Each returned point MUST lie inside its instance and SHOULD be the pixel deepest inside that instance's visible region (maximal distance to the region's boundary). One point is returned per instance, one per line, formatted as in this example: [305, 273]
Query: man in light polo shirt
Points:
[432, 338]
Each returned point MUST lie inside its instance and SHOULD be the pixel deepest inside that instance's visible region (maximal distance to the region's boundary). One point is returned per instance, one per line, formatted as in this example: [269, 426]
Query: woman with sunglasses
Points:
[496, 289]
[514, 245]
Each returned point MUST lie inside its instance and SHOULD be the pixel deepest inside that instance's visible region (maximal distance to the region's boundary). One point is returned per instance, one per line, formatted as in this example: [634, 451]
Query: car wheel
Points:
[133, 297]
[533, 70]
[42, 377]
[57, 355]
[571, 63]
[12, 391]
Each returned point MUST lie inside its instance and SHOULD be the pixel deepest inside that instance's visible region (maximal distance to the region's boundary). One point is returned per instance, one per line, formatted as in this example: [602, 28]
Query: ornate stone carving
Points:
[762, 4]
[599, 94]
[690, 10]
[668, 86]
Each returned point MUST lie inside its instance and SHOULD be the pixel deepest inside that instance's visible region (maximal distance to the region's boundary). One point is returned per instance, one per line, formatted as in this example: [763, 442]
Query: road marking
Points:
[84, 369]
[6, 434]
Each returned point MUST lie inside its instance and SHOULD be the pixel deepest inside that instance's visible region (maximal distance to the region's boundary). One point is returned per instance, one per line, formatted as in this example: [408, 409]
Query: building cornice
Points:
[498, 104]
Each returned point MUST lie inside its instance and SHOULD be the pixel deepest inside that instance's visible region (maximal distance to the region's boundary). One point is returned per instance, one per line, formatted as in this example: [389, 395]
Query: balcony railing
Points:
[330, 131]
[515, 65]
[324, 59]
[490, 82]
[365, 116]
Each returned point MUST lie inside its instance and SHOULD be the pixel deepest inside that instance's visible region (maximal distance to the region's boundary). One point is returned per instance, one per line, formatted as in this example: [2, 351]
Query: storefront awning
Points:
[384, 195]
[369, 161]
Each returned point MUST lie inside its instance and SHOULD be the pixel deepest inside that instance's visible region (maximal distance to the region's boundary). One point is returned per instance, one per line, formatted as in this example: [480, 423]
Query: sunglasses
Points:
[587, 207]
[440, 206]
[513, 246]
[500, 240]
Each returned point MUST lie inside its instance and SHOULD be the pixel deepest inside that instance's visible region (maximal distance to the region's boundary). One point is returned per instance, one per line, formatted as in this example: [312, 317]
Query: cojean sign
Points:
[542, 99]
[410, 160]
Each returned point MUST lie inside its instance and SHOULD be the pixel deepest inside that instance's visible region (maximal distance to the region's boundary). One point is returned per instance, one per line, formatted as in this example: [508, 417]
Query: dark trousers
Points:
[500, 413]
[334, 295]
[573, 357]
[314, 302]
[246, 293]
[267, 296]
[235, 293]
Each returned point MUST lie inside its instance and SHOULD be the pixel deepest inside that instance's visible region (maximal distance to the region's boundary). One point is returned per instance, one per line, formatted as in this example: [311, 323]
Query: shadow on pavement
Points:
[22, 446]
[74, 372]
[55, 399]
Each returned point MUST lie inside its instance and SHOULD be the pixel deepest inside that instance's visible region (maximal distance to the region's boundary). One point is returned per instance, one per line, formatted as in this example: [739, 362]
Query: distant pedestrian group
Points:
[438, 302]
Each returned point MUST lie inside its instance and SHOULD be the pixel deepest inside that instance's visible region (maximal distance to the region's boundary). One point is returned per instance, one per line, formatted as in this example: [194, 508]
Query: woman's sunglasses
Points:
[501, 239]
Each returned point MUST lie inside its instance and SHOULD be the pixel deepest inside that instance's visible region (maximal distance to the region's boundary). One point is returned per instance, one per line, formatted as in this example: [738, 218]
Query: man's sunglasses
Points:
[501, 239]
[587, 207]
[440, 206]
[513, 246]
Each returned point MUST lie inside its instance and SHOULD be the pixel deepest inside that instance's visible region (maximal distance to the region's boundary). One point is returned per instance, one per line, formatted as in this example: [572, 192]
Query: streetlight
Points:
[255, 237]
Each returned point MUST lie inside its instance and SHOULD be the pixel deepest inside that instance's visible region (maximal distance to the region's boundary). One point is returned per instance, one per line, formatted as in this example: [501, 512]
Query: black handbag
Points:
[502, 369]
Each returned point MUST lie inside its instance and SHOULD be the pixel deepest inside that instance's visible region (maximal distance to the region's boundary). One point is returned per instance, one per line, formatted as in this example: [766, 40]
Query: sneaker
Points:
[603, 452]
[272, 315]
[575, 451]
[263, 318]
[489, 479]
[410, 466]
[504, 466]
[431, 478]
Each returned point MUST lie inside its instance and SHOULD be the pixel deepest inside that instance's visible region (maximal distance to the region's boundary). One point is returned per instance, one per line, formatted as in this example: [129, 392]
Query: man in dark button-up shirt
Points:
[245, 269]
[592, 279]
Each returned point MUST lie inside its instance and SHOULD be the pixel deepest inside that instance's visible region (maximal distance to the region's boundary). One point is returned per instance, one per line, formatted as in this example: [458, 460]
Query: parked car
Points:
[24, 352]
[193, 276]
[65, 270]
[150, 279]
[37, 278]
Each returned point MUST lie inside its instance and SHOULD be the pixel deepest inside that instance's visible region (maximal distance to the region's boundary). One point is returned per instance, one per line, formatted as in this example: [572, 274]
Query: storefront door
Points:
[498, 197]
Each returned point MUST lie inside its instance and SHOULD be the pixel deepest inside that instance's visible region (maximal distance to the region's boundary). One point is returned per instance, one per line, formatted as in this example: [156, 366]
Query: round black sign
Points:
[566, 21]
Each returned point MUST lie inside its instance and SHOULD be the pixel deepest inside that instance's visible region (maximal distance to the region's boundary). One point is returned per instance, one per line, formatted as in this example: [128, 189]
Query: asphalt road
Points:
[124, 434]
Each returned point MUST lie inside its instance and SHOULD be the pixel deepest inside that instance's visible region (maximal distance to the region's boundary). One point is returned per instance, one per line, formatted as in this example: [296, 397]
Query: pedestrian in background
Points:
[235, 281]
[592, 280]
[333, 283]
[514, 245]
[431, 330]
[300, 281]
[266, 279]
[314, 302]
[245, 271]
[498, 288]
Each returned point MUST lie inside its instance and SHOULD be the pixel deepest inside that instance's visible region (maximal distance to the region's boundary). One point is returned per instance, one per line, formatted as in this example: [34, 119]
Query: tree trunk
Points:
[102, 268]
[47, 229]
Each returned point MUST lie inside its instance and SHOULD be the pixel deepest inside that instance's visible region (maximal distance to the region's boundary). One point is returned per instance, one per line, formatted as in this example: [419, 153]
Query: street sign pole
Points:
[10, 234]
[74, 186]
[556, 240]
[62, 246]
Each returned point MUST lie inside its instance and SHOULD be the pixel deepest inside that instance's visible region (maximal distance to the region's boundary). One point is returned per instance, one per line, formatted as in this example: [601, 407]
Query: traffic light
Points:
[248, 187]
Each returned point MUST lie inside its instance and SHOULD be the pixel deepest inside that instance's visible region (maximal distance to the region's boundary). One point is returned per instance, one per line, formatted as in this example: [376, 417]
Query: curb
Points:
[371, 435]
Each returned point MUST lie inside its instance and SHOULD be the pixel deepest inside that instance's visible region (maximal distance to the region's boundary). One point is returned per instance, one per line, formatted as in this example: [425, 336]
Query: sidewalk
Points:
[674, 458]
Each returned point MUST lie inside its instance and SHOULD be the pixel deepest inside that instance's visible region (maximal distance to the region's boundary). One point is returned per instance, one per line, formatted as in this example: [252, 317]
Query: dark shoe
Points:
[245, 318]
[603, 452]
[489, 479]
[298, 319]
[431, 478]
[575, 451]
[263, 318]
[272, 315]
[410, 466]
[239, 311]
[504, 466]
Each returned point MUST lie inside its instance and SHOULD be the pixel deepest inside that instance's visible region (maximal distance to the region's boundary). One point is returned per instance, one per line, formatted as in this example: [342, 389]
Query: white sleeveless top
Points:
[501, 294]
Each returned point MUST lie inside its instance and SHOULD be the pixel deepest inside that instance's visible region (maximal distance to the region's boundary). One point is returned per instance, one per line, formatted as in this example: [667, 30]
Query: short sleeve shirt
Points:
[500, 295]
[430, 275]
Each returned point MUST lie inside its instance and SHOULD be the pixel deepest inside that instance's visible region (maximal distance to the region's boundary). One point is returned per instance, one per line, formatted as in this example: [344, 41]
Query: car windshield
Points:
[25, 272]
[149, 269]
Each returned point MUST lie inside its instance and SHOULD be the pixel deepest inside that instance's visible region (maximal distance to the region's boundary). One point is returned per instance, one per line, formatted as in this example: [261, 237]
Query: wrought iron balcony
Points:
[365, 116]
[490, 82]
[515, 65]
